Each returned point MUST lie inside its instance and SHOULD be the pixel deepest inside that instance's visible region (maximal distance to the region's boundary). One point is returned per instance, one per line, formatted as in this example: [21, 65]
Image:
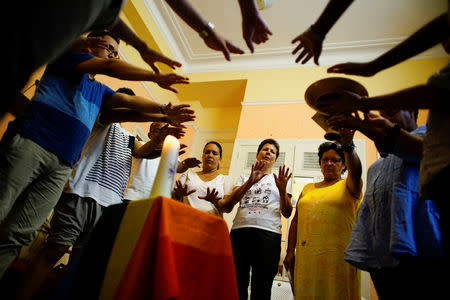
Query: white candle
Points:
[165, 176]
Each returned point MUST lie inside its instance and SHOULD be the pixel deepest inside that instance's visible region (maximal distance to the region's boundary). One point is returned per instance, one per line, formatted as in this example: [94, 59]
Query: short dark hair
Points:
[101, 33]
[269, 141]
[126, 90]
[326, 146]
[215, 143]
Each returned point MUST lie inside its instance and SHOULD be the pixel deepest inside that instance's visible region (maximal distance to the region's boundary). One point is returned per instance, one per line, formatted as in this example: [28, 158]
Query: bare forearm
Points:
[422, 96]
[128, 115]
[292, 235]
[285, 205]
[135, 103]
[354, 169]
[181, 167]
[227, 203]
[148, 150]
[408, 143]
[122, 31]
[188, 13]
[125, 71]
[332, 12]
[248, 8]
[428, 36]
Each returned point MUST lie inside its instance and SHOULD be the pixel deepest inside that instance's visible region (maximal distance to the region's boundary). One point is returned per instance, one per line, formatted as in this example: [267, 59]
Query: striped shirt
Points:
[103, 171]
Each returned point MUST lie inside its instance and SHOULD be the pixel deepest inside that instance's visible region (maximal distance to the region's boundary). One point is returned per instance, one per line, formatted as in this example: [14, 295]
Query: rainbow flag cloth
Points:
[153, 249]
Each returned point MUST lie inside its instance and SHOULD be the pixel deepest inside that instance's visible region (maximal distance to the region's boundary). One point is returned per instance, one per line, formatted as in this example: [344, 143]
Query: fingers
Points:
[233, 48]
[308, 57]
[172, 89]
[154, 68]
[301, 55]
[300, 46]
[336, 69]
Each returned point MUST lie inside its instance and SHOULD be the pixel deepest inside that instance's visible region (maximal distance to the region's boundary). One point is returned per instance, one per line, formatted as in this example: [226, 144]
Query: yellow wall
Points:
[294, 120]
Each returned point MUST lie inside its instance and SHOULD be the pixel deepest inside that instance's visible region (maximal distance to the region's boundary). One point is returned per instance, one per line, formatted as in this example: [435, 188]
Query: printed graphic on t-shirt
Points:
[256, 199]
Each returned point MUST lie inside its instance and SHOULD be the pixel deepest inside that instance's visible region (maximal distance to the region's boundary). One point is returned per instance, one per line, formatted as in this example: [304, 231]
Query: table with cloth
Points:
[153, 249]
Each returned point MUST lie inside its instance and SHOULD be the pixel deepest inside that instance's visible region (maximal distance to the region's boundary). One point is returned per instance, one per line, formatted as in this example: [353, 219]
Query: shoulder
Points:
[308, 187]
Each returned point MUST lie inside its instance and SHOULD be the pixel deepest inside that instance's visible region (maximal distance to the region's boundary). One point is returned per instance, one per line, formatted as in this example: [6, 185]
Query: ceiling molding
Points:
[174, 31]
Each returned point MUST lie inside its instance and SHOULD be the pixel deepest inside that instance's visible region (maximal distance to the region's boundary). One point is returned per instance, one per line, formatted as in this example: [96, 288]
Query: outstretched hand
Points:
[360, 69]
[311, 45]
[165, 81]
[211, 196]
[349, 121]
[151, 57]
[344, 101]
[217, 42]
[171, 109]
[257, 172]
[282, 179]
[181, 190]
[191, 162]
[255, 30]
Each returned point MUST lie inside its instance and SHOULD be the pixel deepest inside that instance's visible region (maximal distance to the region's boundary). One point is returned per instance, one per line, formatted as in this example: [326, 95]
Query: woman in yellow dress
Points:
[322, 225]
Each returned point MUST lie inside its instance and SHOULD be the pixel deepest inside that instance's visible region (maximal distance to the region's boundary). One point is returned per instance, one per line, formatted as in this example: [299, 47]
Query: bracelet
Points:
[349, 147]
[206, 30]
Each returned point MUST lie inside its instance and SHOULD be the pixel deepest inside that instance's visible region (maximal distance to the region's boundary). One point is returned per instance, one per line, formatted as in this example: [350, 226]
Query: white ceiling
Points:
[367, 29]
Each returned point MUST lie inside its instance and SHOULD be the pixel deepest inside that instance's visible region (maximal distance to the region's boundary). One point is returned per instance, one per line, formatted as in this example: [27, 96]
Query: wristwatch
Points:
[206, 30]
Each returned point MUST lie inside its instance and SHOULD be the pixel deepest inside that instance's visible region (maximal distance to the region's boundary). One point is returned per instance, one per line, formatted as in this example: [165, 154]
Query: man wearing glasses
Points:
[48, 138]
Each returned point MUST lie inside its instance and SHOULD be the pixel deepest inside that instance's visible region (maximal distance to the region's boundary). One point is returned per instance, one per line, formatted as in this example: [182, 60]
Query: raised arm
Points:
[122, 70]
[228, 202]
[426, 37]
[152, 149]
[285, 199]
[205, 29]
[383, 133]
[186, 164]
[310, 41]
[150, 56]
[254, 28]
[352, 161]
[423, 96]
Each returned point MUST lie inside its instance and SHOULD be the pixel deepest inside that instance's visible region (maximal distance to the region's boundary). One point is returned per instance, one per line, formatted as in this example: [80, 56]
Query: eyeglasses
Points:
[110, 49]
[332, 160]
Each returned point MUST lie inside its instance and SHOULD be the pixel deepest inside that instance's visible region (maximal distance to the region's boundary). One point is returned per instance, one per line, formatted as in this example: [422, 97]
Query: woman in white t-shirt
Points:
[201, 189]
[263, 197]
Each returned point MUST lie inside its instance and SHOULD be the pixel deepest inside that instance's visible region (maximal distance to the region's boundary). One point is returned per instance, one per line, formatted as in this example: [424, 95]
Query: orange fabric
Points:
[182, 253]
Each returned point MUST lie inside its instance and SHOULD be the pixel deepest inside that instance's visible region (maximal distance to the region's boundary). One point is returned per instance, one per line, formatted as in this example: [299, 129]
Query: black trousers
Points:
[259, 250]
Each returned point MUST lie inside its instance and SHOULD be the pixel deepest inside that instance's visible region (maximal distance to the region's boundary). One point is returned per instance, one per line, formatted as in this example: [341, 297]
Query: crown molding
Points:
[171, 28]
